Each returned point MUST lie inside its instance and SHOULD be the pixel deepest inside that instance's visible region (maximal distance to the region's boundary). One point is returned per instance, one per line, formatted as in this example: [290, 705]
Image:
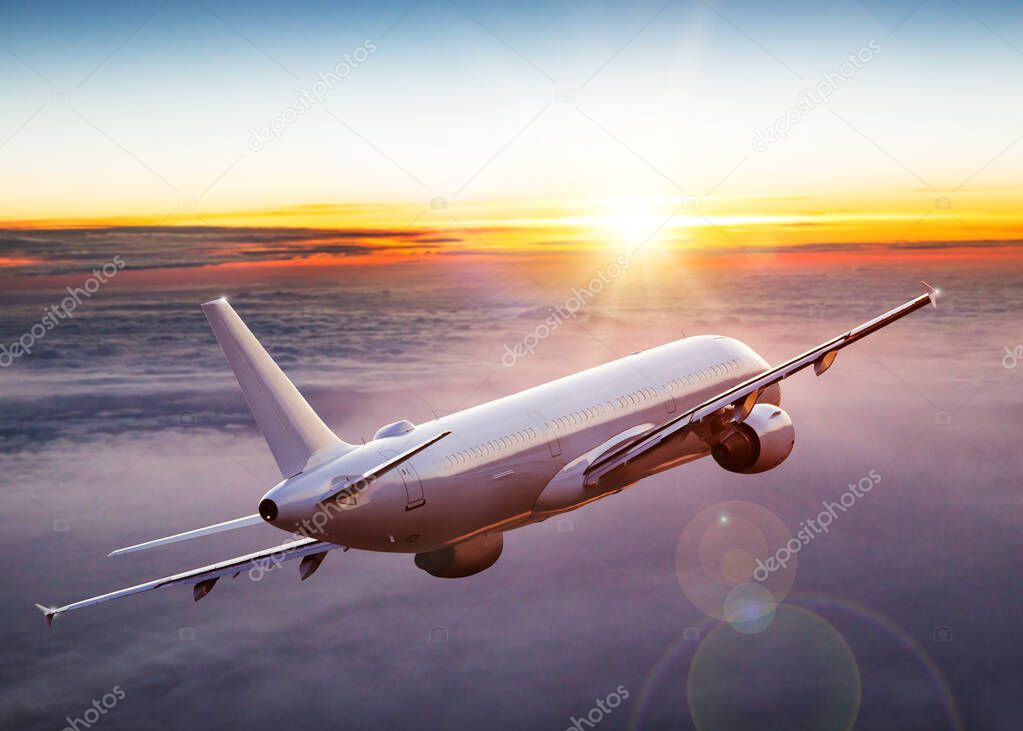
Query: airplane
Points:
[449, 489]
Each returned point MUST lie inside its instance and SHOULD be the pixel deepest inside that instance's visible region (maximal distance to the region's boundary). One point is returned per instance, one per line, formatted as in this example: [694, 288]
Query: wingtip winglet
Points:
[49, 613]
[222, 300]
[932, 293]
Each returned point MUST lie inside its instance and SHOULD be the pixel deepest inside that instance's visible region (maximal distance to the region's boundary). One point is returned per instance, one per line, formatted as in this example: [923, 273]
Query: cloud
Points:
[90, 431]
[55, 251]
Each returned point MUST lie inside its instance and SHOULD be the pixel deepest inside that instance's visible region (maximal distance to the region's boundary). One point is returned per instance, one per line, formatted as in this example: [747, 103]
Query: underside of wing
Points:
[203, 578]
[736, 403]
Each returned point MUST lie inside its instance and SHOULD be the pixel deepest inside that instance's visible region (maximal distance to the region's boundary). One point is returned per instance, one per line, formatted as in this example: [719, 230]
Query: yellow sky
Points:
[670, 222]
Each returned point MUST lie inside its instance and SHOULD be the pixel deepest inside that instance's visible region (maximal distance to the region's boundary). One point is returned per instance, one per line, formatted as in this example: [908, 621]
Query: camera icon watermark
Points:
[691, 634]
[438, 634]
[691, 203]
[818, 310]
[566, 525]
[439, 204]
[60, 95]
[61, 525]
[186, 633]
[187, 203]
[188, 418]
[942, 203]
[565, 95]
[313, 310]
[943, 633]
[942, 418]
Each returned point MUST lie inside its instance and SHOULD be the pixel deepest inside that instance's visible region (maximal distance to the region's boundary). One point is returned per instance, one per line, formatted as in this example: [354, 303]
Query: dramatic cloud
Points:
[53, 251]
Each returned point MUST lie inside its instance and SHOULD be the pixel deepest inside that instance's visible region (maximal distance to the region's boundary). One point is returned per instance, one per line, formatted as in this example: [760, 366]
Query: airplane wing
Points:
[743, 397]
[312, 552]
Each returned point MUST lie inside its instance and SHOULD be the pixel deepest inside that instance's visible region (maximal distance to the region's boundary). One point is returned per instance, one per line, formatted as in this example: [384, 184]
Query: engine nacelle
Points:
[762, 441]
[462, 559]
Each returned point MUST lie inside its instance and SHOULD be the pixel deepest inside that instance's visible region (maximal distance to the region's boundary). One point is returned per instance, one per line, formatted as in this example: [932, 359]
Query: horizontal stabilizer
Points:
[198, 532]
[375, 472]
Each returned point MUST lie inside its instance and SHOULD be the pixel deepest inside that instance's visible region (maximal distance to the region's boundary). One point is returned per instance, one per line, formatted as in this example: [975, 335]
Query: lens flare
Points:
[801, 664]
[717, 557]
[750, 608]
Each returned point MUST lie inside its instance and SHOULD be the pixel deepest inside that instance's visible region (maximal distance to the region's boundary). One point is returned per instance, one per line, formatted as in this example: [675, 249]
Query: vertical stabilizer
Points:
[292, 429]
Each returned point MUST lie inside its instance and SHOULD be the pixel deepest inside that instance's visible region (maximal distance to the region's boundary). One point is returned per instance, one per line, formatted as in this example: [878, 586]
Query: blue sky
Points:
[454, 88]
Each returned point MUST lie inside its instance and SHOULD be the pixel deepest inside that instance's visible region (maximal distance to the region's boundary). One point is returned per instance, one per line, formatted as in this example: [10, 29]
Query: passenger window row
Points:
[495, 445]
[704, 374]
[631, 399]
[576, 418]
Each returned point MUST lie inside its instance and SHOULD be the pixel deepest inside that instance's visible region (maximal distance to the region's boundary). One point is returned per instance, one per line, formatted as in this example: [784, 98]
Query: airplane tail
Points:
[290, 426]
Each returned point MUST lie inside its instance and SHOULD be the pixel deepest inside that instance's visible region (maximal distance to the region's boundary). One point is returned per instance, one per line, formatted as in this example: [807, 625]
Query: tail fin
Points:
[290, 426]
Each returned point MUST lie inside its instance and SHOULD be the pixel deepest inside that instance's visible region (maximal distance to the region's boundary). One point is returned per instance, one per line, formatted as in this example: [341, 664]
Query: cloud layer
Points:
[92, 434]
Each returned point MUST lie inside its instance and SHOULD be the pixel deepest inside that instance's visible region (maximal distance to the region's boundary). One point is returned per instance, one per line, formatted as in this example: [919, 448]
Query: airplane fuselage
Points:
[516, 460]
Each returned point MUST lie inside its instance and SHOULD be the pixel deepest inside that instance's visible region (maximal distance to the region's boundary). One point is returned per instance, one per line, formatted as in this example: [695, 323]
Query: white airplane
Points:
[449, 489]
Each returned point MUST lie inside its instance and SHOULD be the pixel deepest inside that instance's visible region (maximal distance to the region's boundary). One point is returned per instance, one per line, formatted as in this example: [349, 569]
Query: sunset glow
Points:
[706, 130]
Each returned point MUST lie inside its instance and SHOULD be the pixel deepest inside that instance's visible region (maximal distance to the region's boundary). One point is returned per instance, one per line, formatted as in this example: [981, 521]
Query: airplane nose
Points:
[268, 510]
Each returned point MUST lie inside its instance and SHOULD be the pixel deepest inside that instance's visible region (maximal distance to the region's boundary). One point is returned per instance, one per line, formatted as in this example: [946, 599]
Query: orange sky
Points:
[670, 223]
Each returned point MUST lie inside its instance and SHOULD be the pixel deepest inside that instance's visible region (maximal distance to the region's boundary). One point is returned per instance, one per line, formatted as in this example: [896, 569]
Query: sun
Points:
[637, 225]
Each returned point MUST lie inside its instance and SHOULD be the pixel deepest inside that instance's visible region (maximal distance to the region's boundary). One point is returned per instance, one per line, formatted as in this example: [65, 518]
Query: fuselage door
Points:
[414, 496]
[669, 402]
[549, 431]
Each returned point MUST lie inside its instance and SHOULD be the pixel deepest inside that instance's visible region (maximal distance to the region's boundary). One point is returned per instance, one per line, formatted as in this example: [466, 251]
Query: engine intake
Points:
[760, 442]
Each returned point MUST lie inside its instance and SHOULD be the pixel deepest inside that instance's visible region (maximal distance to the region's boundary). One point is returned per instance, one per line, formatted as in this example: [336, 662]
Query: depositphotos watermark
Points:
[98, 709]
[325, 82]
[813, 97]
[810, 529]
[568, 309]
[344, 500]
[603, 708]
[311, 527]
[54, 314]
[260, 567]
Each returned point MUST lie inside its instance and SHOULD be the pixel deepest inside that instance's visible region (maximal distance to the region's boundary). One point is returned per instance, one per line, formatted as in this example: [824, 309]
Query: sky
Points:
[538, 126]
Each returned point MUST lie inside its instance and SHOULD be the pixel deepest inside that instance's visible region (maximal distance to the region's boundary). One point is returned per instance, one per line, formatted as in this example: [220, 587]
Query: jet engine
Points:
[758, 443]
[462, 559]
